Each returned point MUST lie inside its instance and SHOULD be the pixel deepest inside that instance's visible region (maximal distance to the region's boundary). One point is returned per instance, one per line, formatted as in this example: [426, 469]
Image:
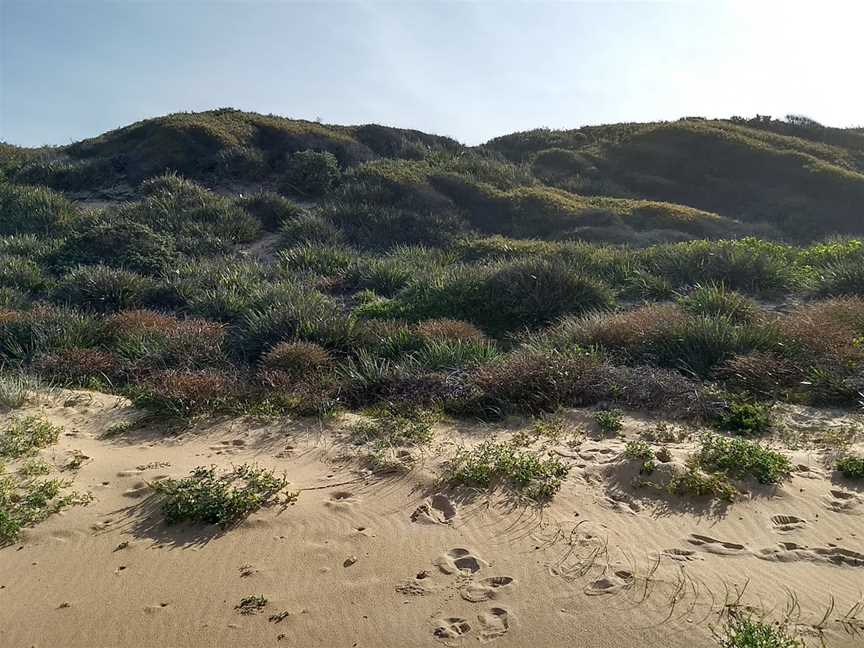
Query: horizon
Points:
[439, 68]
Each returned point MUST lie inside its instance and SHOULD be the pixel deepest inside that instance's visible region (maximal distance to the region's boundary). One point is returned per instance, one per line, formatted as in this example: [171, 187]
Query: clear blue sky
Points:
[75, 68]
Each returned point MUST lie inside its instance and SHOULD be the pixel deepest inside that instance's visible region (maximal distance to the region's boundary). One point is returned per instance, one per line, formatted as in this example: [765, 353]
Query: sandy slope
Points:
[602, 566]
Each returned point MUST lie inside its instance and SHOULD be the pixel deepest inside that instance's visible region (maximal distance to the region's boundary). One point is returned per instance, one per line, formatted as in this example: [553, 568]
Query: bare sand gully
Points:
[401, 560]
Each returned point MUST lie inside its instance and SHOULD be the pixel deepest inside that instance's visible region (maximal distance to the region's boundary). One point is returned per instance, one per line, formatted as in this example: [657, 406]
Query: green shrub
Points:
[25, 436]
[33, 210]
[641, 452]
[745, 418]
[213, 498]
[104, 289]
[22, 274]
[454, 354]
[185, 393]
[609, 421]
[490, 463]
[309, 229]
[744, 631]
[272, 210]
[311, 174]
[25, 501]
[714, 300]
[844, 278]
[693, 482]
[297, 359]
[79, 367]
[740, 458]
[44, 329]
[851, 466]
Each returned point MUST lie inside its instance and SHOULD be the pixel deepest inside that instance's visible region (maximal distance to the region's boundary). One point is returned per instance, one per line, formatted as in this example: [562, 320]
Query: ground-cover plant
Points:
[746, 631]
[492, 463]
[740, 458]
[694, 482]
[851, 466]
[224, 498]
[26, 499]
[26, 436]
[609, 421]
[745, 418]
[642, 452]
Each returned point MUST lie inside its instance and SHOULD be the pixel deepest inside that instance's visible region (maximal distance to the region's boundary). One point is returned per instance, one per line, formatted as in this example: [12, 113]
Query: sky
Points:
[71, 69]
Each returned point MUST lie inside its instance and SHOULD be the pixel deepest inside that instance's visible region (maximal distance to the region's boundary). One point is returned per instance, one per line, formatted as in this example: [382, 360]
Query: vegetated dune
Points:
[385, 559]
[273, 381]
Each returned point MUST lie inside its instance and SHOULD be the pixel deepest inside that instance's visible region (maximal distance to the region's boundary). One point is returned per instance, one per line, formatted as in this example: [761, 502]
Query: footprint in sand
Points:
[681, 555]
[341, 500]
[721, 547]
[843, 502]
[787, 523]
[791, 552]
[493, 623]
[610, 584]
[416, 587]
[486, 589]
[452, 628]
[458, 560]
[139, 489]
[129, 473]
[439, 509]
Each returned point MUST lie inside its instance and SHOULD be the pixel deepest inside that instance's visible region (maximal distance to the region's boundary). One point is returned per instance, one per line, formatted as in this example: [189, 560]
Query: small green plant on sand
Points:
[251, 604]
[26, 436]
[609, 421]
[641, 451]
[745, 418]
[388, 430]
[851, 466]
[740, 459]
[746, 632]
[223, 499]
[15, 389]
[491, 462]
[695, 483]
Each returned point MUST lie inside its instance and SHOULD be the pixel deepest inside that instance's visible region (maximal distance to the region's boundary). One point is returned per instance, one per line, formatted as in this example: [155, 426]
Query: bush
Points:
[450, 330]
[297, 359]
[35, 210]
[745, 418]
[22, 274]
[454, 354]
[224, 499]
[740, 458]
[116, 242]
[491, 462]
[272, 210]
[79, 367]
[609, 421]
[44, 329]
[714, 300]
[692, 482]
[104, 289]
[851, 466]
[25, 501]
[309, 229]
[186, 393]
[311, 174]
[24, 437]
[743, 631]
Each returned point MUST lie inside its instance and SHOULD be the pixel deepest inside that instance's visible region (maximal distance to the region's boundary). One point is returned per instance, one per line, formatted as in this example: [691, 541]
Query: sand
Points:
[370, 560]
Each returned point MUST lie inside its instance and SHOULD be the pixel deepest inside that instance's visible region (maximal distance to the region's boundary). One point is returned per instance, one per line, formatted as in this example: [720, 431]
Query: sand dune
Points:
[375, 560]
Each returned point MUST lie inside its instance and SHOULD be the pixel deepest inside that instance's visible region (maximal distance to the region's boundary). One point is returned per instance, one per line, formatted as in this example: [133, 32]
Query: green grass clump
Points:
[693, 482]
[104, 289]
[740, 458]
[851, 466]
[15, 389]
[490, 463]
[609, 421]
[742, 631]
[26, 500]
[25, 436]
[715, 300]
[311, 174]
[389, 430]
[219, 498]
[33, 210]
[745, 418]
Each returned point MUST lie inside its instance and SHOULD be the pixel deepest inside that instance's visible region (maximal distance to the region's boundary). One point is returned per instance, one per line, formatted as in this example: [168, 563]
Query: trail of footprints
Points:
[465, 565]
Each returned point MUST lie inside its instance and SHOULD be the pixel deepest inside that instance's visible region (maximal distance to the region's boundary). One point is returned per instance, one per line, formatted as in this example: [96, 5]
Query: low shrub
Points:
[609, 421]
[745, 418]
[33, 210]
[760, 373]
[309, 229]
[272, 210]
[22, 274]
[744, 631]
[219, 498]
[79, 367]
[15, 389]
[104, 289]
[851, 466]
[297, 359]
[454, 354]
[740, 458]
[45, 329]
[448, 329]
[26, 500]
[186, 393]
[492, 463]
[311, 174]
[715, 300]
[693, 482]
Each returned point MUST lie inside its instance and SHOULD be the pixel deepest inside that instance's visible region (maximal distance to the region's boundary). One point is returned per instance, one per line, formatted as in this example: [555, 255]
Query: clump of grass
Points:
[391, 430]
[609, 421]
[851, 466]
[26, 500]
[490, 463]
[15, 389]
[696, 483]
[23, 437]
[740, 458]
[715, 300]
[220, 498]
[745, 418]
[311, 174]
[251, 604]
[744, 631]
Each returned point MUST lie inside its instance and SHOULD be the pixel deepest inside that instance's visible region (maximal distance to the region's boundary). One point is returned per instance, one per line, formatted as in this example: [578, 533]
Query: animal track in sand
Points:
[486, 589]
[493, 623]
[787, 523]
[439, 509]
[341, 500]
[452, 628]
[415, 587]
[610, 584]
[458, 560]
[721, 547]
[681, 555]
[139, 489]
[791, 552]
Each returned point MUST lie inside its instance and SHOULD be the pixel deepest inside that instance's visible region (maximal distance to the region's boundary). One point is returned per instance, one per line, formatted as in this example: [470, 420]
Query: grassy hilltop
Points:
[225, 260]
